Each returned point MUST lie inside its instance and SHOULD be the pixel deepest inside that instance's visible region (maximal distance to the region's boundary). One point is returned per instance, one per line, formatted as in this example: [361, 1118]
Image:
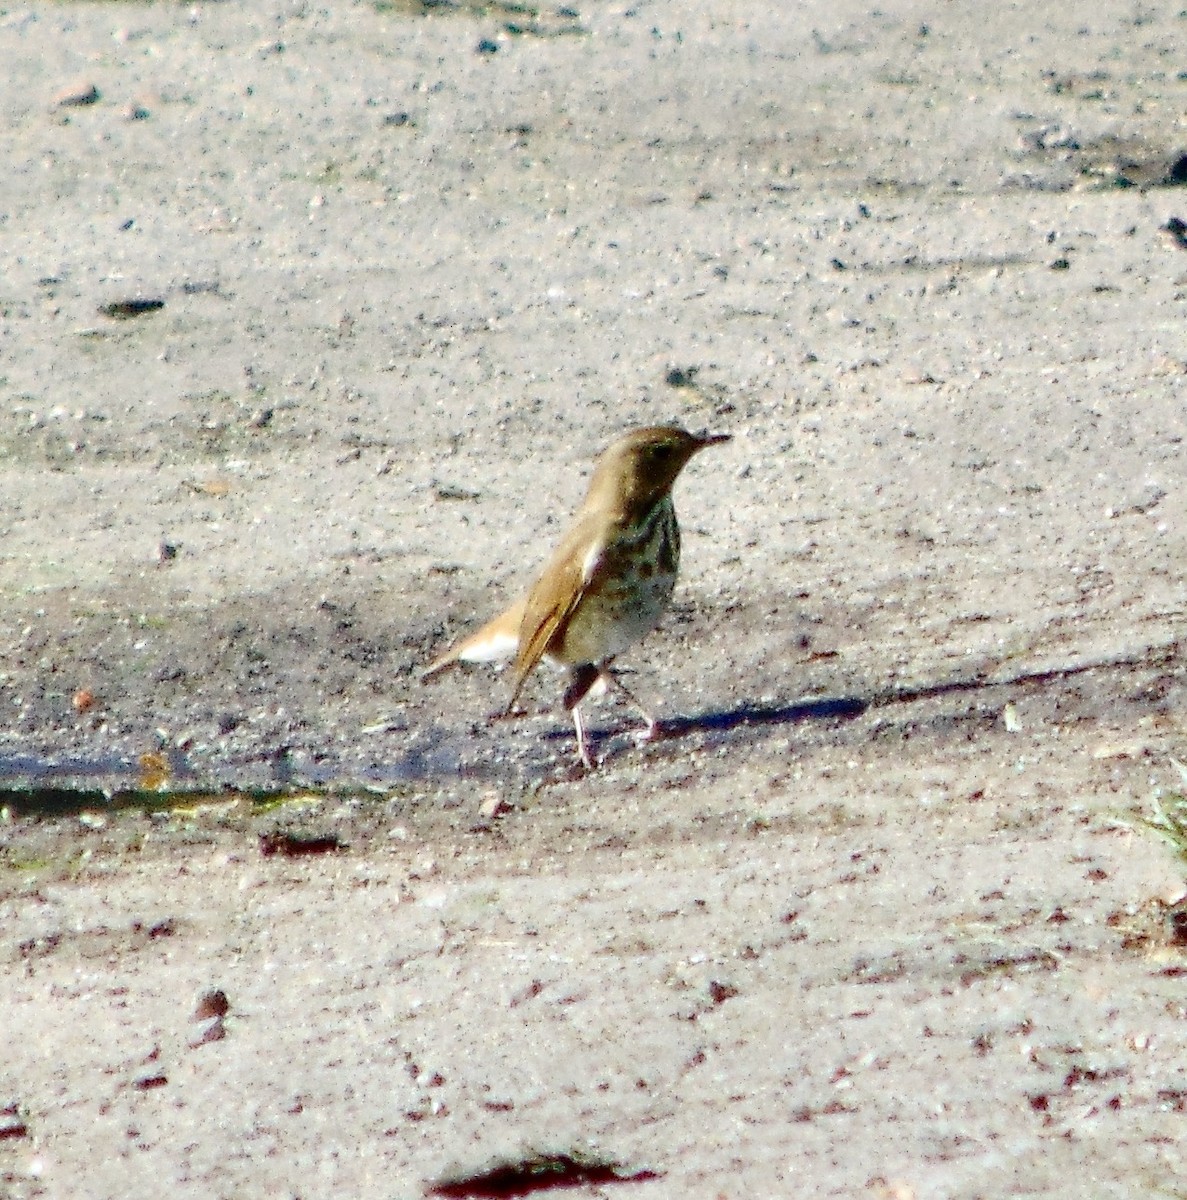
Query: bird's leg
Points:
[587, 678]
[581, 678]
[651, 729]
[582, 739]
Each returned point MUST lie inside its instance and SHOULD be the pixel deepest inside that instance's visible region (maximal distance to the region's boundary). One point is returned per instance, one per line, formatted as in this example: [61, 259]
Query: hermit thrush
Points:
[608, 582]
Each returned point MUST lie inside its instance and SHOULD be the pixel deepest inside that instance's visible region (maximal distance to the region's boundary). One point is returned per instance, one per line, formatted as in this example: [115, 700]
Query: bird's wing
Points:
[555, 597]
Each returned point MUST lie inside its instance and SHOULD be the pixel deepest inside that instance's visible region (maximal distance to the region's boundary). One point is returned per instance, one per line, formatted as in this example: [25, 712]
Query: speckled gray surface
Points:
[866, 923]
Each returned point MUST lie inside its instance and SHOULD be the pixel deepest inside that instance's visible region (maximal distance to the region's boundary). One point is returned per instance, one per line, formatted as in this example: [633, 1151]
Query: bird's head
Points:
[641, 467]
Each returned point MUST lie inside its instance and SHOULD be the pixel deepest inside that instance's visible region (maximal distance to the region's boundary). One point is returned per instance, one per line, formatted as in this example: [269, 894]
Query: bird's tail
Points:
[497, 640]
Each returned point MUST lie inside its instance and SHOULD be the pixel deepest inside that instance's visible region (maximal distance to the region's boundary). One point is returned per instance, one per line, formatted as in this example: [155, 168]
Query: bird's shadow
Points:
[823, 709]
[718, 721]
[723, 720]
[751, 715]
[848, 708]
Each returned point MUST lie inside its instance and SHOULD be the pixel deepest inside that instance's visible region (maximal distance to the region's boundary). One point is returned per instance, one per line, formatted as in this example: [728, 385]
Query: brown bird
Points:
[608, 582]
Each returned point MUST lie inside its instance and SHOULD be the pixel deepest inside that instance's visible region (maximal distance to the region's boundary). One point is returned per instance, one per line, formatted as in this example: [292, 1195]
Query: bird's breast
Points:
[627, 590]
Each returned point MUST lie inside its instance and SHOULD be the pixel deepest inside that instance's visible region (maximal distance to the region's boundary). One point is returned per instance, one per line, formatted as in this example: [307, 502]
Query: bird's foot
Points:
[653, 731]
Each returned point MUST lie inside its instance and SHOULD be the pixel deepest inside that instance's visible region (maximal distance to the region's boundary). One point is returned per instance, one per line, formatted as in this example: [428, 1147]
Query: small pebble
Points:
[77, 95]
[493, 806]
[213, 1030]
[212, 1003]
